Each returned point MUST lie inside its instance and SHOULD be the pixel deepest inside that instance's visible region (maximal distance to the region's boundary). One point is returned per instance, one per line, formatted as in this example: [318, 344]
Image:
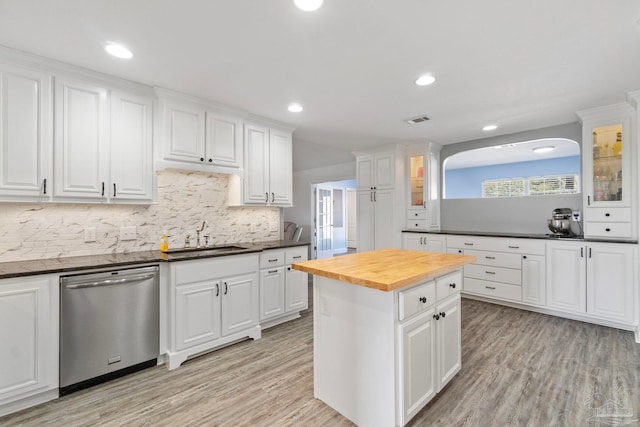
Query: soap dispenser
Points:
[164, 242]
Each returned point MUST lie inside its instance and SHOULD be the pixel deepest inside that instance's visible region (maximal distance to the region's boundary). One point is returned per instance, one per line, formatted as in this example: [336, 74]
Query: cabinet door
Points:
[364, 173]
[280, 168]
[81, 144]
[184, 132]
[296, 297]
[28, 354]
[436, 244]
[256, 181]
[566, 277]
[413, 241]
[384, 233]
[610, 281]
[271, 292]
[197, 313]
[417, 364]
[365, 222]
[384, 170]
[223, 140]
[239, 303]
[533, 279]
[449, 341]
[131, 147]
[26, 136]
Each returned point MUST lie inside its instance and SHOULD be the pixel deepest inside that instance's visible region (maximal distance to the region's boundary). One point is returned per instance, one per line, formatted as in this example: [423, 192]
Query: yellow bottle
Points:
[617, 146]
[164, 242]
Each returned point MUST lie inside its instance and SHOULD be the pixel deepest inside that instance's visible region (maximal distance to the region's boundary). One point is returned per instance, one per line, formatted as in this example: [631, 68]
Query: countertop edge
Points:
[16, 269]
[546, 237]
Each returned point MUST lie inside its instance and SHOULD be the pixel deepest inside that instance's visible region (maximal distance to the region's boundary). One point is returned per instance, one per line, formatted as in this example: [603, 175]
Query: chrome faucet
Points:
[198, 231]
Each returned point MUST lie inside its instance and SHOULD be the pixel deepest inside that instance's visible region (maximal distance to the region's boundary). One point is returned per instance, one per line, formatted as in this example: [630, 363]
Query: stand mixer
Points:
[560, 223]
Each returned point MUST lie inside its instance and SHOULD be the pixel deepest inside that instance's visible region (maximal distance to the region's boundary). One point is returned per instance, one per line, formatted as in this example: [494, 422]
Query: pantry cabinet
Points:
[380, 199]
[26, 133]
[212, 302]
[609, 172]
[29, 331]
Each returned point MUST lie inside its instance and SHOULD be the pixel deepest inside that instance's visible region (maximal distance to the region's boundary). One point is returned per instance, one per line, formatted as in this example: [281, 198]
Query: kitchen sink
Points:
[210, 250]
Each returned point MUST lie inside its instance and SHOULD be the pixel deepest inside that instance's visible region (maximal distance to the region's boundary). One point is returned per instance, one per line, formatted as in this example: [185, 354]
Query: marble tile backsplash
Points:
[185, 199]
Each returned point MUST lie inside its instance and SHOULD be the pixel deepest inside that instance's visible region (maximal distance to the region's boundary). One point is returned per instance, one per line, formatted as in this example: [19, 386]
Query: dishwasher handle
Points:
[111, 282]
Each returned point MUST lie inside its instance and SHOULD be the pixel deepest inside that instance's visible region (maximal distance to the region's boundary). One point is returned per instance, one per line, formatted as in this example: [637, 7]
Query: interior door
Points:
[324, 221]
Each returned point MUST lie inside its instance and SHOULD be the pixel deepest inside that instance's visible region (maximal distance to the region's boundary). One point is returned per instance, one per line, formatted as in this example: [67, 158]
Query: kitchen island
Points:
[386, 331]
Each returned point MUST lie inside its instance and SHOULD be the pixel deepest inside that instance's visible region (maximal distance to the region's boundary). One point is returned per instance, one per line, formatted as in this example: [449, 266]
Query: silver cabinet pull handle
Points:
[44, 186]
[114, 189]
[490, 287]
[490, 272]
[273, 197]
[490, 257]
[102, 189]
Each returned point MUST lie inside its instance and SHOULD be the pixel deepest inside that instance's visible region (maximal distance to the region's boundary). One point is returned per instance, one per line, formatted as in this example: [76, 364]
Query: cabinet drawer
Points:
[270, 259]
[497, 244]
[448, 285]
[608, 214]
[416, 224]
[497, 259]
[494, 274]
[492, 289]
[416, 299]
[417, 214]
[297, 254]
[618, 230]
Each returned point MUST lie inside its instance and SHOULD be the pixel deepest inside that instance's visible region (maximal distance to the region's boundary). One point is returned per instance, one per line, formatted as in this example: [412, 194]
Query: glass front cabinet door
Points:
[608, 175]
[423, 210]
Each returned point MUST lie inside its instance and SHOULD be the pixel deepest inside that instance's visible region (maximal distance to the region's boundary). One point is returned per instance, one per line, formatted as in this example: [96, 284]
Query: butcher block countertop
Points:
[384, 269]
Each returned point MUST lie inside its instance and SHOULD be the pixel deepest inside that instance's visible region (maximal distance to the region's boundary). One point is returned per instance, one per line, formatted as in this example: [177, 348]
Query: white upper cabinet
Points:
[131, 147]
[198, 135]
[268, 168]
[25, 133]
[223, 140]
[376, 171]
[81, 140]
[103, 144]
[184, 132]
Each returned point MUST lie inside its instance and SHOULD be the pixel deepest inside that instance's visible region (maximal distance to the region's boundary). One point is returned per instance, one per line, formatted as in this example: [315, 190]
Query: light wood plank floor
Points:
[519, 368]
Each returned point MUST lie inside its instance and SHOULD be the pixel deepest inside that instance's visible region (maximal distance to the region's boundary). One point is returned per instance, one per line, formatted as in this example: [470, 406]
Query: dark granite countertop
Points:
[89, 262]
[519, 235]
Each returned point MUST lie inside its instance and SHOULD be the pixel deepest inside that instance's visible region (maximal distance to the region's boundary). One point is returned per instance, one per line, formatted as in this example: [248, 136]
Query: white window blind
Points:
[533, 186]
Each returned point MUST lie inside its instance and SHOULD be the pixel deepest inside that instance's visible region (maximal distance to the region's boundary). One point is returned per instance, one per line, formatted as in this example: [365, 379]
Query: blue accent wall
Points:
[467, 183]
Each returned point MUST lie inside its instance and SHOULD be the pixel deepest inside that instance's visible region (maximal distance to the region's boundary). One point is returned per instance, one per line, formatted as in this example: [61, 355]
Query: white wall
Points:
[302, 211]
[185, 199]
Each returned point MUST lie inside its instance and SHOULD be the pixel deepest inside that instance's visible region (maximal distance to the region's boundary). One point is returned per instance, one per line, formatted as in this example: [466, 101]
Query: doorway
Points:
[331, 216]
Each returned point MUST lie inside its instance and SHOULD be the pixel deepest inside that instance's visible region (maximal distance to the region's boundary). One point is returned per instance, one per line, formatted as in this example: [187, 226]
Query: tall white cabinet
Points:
[423, 200]
[609, 172]
[26, 113]
[380, 199]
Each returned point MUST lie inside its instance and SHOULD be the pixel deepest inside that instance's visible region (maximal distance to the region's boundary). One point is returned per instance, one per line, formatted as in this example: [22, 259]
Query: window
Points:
[534, 186]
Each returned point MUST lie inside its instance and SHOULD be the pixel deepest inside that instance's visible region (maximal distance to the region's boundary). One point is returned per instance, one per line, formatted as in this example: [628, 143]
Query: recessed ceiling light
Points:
[425, 80]
[118, 50]
[543, 149]
[295, 108]
[308, 5]
[490, 127]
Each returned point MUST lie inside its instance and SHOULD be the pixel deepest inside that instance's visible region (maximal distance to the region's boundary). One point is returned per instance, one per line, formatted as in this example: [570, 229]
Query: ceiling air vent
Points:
[418, 119]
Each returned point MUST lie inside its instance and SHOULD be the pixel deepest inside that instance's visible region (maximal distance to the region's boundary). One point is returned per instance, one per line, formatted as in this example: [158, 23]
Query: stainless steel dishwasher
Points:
[109, 325]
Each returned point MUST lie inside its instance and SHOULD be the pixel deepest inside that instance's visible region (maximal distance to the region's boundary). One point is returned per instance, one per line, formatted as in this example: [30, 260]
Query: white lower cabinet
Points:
[596, 279]
[283, 291]
[429, 343]
[533, 279]
[424, 242]
[213, 302]
[29, 336]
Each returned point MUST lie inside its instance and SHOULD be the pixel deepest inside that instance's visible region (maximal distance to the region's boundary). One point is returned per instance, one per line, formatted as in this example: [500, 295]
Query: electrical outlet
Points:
[128, 233]
[90, 234]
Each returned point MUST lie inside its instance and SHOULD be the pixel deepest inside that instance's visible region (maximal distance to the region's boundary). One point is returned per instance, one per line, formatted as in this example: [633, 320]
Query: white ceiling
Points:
[518, 151]
[352, 64]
